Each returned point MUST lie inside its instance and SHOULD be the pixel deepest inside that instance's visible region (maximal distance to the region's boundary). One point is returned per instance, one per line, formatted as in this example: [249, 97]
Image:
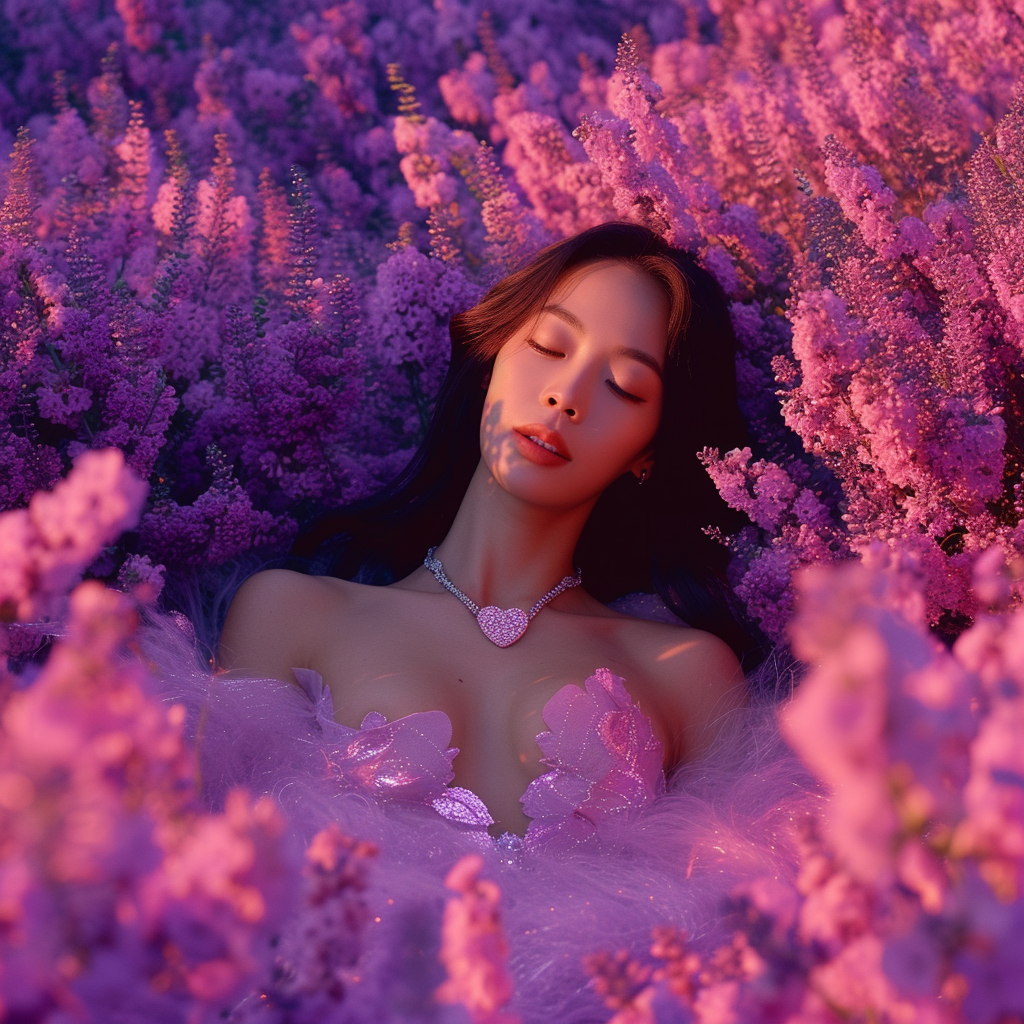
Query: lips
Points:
[541, 444]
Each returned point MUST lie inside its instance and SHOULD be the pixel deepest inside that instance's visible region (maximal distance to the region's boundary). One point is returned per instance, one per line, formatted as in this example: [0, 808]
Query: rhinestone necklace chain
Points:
[502, 626]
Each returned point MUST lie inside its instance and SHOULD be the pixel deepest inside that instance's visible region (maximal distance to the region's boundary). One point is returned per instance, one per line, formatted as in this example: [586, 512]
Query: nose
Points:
[567, 390]
[568, 410]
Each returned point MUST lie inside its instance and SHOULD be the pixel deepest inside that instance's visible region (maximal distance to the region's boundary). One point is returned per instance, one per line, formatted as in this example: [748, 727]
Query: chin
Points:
[523, 483]
[539, 486]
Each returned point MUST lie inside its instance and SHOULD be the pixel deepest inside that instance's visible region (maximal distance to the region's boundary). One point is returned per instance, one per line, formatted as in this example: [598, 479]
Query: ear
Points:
[641, 465]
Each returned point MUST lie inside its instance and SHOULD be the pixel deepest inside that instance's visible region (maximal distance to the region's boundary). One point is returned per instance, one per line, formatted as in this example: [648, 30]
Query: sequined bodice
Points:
[605, 761]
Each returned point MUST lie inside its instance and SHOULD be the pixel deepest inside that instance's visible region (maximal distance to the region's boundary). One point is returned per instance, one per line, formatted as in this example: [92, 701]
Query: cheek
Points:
[495, 398]
[509, 385]
[627, 431]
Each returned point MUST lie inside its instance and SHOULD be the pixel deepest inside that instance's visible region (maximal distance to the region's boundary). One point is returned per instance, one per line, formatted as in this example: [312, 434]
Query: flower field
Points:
[231, 238]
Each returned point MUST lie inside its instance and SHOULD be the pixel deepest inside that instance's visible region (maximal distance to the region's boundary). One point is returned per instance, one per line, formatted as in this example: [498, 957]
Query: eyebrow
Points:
[623, 350]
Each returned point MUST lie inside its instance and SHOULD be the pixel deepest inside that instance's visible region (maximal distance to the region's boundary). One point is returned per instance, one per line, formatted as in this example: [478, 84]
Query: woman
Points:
[580, 390]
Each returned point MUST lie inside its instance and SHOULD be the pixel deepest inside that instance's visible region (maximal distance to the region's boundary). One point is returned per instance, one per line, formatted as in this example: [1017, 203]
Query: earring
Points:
[642, 477]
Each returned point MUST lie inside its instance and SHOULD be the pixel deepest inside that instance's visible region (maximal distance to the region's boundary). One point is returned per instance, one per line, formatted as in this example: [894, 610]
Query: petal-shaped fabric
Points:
[464, 806]
[605, 760]
[312, 684]
[408, 759]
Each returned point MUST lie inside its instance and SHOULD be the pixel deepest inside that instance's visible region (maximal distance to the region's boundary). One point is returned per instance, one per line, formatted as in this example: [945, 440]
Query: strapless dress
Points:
[603, 758]
[611, 850]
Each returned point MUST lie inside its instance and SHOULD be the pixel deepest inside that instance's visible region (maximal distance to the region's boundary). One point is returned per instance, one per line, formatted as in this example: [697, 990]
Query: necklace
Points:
[502, 626]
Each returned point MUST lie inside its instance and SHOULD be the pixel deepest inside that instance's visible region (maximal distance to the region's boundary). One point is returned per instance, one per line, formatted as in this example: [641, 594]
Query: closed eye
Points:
[622, 394]
[543, 350]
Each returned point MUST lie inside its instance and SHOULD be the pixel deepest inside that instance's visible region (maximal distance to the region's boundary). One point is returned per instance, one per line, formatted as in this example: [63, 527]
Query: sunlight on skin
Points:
[674, 652]
[533, 714]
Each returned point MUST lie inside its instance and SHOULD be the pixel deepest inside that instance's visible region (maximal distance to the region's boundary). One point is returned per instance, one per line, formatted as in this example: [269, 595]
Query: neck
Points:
[501, 550]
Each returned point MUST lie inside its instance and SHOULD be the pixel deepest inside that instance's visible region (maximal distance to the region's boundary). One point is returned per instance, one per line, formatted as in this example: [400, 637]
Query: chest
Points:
[405, 656]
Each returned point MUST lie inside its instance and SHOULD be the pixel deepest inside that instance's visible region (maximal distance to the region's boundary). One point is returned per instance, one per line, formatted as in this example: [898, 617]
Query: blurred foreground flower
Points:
[120, 897]
[45, 548]
[908, 901]
[473, 946]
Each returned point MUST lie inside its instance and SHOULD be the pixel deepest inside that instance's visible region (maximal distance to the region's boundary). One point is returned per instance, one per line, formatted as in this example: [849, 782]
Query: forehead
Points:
[607, 273]
[613, 302]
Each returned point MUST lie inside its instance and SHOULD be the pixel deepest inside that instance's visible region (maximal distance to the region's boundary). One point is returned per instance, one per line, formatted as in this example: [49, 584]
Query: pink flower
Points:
[468, 91]
[131, 900]
[142, 578]
[883, 718]
[473, 946]
[45, 548]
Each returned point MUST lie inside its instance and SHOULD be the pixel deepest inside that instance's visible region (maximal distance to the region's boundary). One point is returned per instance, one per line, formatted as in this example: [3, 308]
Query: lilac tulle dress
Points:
[613, 847]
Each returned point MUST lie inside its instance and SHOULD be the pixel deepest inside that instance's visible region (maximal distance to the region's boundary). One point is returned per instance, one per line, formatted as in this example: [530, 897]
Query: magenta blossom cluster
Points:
[315, 977]
[473, 946]
[908, 901]
[120, 896]
[45, 548]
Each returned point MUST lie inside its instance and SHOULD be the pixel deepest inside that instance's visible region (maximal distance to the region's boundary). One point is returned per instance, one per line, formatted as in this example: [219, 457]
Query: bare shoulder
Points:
[694, 676]
[273, 622]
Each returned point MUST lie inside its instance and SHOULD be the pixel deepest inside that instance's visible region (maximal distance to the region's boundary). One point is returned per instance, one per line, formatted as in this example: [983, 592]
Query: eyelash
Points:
[611, 384]
[622, 394]
[545, 351]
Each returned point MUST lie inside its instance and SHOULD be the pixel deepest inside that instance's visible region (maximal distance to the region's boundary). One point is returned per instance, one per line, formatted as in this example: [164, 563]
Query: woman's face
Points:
[585, 380]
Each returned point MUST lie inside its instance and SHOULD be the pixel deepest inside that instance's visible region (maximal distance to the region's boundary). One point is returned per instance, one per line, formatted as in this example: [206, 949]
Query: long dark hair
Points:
[646, 539]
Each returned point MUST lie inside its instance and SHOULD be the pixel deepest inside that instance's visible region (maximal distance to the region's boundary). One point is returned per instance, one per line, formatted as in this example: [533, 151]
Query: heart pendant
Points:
[502, 626]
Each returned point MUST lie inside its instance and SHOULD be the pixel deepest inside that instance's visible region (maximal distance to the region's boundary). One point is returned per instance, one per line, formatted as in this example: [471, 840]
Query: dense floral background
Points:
[231, 237]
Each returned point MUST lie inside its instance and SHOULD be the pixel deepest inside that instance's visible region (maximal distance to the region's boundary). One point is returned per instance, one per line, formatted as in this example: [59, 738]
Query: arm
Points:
[270, 626]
